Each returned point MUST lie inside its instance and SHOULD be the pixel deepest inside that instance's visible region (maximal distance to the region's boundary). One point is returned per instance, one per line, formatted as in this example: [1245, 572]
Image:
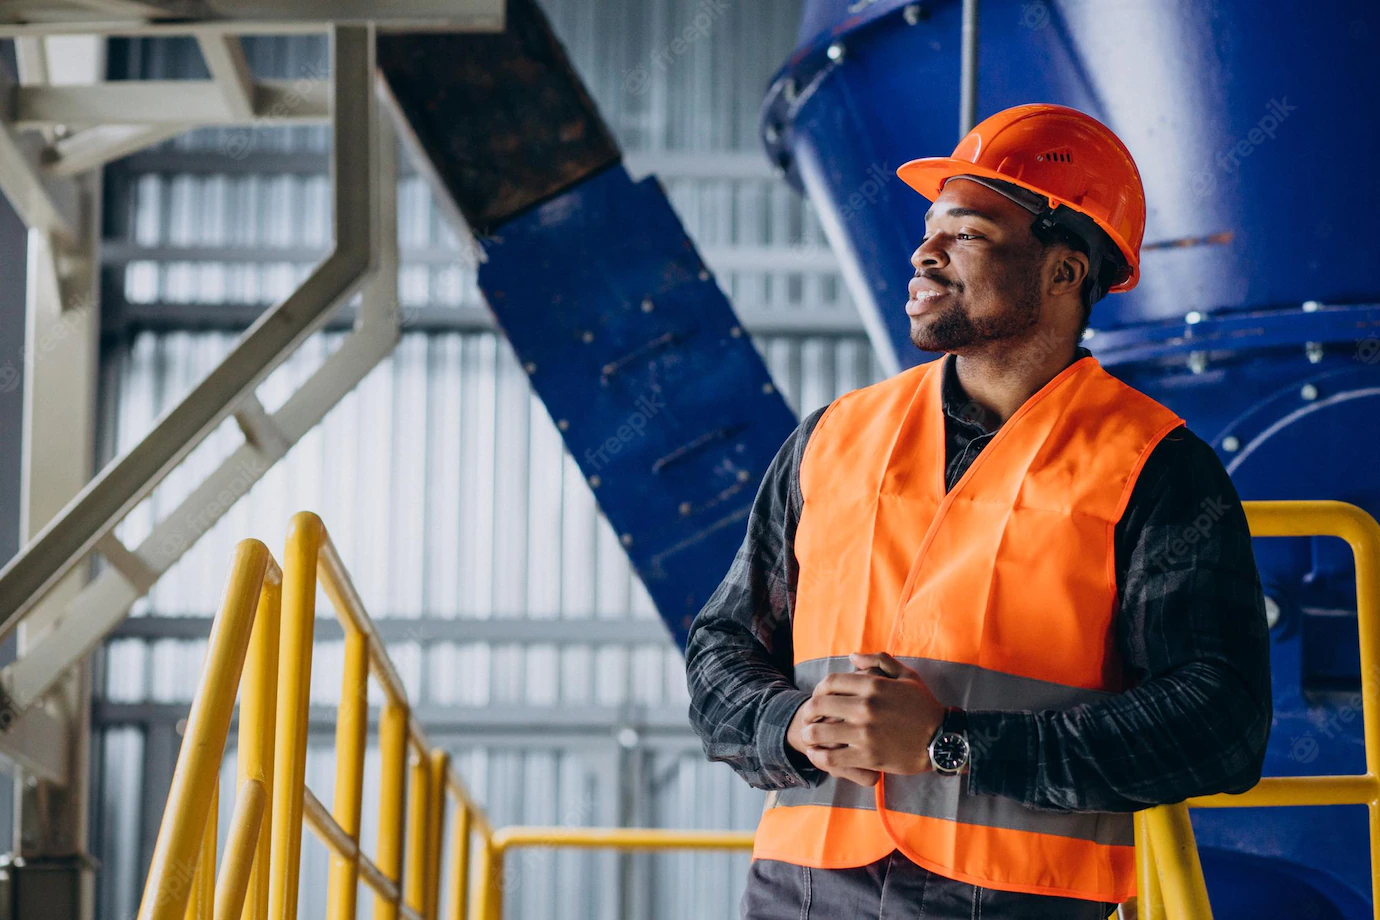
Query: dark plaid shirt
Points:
[1190, 628]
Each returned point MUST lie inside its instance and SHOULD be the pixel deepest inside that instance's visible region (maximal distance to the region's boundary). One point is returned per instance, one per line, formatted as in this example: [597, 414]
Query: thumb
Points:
[883, 662]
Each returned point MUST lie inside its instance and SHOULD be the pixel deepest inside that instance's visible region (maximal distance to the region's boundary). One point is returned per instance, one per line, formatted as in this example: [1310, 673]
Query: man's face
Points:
[978, 271]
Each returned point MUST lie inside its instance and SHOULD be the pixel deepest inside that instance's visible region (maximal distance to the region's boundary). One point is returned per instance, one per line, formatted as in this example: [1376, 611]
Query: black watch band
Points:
[955, 721]
[949, 747]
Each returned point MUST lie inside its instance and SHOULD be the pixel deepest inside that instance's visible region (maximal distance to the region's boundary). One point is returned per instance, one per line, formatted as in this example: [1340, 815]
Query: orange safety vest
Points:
[1000, 593]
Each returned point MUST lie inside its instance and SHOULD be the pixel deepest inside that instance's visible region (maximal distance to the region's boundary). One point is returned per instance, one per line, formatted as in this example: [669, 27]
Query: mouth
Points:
[923, 300]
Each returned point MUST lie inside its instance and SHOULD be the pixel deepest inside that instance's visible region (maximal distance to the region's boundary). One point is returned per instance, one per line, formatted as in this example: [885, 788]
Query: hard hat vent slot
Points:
[1057, 156]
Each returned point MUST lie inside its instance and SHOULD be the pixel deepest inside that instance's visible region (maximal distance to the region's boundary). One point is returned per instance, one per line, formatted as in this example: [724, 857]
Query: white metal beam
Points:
[224, 56]
[128, 479]
[131, 566]
[95, 147]
[43, 204]
[31, 54]
[36, 743]
[60, 351]
[249, 17]
[188, 103]
[132, 9]
[268, 436]
[49, 205]
[49, 739]
[365, 222]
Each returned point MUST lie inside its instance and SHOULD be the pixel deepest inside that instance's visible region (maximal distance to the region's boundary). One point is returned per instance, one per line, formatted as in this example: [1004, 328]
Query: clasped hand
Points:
[858, 725]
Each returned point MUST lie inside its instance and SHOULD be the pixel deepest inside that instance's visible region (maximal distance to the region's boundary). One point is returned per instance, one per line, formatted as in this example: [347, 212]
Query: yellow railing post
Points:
[294, 698]
[351, 733]
[199, 905]
[459, 865]
[418, 814]
[1362, 533]
[1149, 900]
[1176, 862]
[392, 798]
[240, 847]
[438, 764]
[489, 905]
[264, 630]
[494, 848]
[196, 776]
[1167, 833]
[258, 716]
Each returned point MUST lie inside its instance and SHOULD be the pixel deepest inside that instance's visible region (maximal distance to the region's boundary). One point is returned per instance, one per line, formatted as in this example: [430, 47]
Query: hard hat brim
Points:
[927, 176]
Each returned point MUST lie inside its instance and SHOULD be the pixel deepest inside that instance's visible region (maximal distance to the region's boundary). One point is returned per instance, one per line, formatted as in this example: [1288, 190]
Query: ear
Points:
[1068, 271]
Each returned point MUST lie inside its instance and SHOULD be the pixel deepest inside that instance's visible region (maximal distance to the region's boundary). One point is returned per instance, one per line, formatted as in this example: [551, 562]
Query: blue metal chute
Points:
[658, 392]
[1257, 318]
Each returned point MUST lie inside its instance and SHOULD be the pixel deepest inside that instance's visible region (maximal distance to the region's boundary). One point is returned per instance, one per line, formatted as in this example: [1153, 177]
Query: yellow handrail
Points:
[260, 649]
[491, 857]
[177, 876]
[240, 849]
[1170, 875]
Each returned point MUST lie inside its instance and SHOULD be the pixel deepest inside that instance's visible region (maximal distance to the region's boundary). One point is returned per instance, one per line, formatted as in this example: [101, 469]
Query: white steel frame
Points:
[243, 17]
[45, 599]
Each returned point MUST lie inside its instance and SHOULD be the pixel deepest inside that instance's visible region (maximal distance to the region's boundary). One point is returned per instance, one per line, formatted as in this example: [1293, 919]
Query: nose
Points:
[929, 254]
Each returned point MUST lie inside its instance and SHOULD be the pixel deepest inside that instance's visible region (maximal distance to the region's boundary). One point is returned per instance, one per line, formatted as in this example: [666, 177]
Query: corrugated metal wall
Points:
[525, 641]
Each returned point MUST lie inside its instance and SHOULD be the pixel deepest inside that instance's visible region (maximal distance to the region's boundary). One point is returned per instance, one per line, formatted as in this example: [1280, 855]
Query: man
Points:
[989, 607]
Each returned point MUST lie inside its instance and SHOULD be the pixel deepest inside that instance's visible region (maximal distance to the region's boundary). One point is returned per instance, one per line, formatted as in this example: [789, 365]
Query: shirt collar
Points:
[965, 411]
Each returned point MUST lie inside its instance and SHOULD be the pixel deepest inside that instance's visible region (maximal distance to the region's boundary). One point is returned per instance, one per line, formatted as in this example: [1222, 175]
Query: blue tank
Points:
[1256, 318]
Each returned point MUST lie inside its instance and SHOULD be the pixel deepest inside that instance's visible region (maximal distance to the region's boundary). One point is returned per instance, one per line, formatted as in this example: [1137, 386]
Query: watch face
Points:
[950, 752]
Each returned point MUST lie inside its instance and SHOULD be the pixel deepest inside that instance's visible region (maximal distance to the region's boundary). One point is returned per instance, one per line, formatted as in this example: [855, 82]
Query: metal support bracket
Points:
[45, 204]
[365, 178]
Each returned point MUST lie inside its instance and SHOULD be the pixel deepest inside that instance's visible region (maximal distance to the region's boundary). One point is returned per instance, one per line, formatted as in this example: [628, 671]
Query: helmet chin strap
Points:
[1105, 264]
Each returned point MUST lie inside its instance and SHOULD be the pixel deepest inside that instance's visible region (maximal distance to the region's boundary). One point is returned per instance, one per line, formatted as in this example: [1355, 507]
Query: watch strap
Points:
[953, 723]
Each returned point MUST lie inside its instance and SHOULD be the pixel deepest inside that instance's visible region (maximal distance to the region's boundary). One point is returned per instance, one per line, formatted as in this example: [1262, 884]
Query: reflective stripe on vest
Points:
[1000, 592]
[935, 796]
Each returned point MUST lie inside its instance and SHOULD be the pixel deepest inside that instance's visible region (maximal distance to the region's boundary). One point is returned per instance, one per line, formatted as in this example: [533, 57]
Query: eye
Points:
[966, 236]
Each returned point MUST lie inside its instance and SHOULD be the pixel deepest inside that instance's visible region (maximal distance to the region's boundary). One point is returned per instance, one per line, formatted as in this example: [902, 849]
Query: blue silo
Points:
[1257, 317]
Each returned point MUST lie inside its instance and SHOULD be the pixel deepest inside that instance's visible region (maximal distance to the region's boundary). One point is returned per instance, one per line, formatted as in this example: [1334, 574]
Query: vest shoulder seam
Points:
[1137, 394]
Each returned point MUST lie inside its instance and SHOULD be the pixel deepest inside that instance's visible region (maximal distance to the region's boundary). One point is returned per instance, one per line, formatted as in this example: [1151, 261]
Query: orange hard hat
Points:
[1070, 158]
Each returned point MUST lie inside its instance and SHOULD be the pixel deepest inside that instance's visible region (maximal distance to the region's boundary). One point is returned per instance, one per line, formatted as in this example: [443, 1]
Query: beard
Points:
[952, 327]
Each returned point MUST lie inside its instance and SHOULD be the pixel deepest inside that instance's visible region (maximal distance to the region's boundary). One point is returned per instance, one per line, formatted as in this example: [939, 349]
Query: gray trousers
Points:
[894, 888]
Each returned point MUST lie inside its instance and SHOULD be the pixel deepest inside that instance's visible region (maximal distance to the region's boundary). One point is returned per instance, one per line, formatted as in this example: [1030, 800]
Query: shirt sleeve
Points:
[739, 658]
[1193, 637]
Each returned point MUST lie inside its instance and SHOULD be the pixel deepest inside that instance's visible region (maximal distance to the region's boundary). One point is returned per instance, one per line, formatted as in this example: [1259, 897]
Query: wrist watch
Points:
[949, 746]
